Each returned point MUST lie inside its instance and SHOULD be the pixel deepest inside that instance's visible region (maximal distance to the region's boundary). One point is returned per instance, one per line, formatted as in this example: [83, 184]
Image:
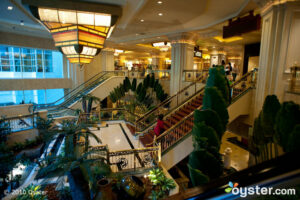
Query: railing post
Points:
[107, 155]
[159, 152]
[134, 160]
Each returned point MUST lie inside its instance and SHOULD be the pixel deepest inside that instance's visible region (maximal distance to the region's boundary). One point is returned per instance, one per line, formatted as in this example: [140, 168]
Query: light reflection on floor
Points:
[239, 156]
[114, 137]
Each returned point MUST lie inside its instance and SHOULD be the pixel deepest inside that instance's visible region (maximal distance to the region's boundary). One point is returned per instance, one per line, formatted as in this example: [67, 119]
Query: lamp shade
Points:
[78, 33]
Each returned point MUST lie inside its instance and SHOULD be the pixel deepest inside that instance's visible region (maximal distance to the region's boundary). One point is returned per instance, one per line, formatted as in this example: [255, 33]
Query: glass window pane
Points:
[54, 94]
[21, 62]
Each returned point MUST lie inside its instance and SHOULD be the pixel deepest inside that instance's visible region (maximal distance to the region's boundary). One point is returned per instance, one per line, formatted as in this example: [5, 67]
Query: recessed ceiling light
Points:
[142, 20]
[10, 8]
[158, 37]
[214, 47]
[136, 34]
[159, 2]
[22, 23]
[160, 14]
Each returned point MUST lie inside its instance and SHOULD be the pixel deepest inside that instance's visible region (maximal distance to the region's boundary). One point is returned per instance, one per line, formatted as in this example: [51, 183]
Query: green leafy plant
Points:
[32, 192]
[5, 129]
[161, 184]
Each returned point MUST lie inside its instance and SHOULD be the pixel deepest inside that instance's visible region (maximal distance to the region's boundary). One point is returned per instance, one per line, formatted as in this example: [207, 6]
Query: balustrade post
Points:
[159, 152]
[134, 160]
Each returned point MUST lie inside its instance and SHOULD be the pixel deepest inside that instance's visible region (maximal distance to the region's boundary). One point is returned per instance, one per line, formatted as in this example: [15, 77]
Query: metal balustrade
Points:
[129, 159]
[20, 123]
[184, 126]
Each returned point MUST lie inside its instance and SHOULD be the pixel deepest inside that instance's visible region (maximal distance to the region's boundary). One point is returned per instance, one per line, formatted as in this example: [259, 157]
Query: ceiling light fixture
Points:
[159, 2]
[163, 46]
[80, 34]
[228, 40]
[160, 14]
[142, 20]
[22, 23]
[10, 8]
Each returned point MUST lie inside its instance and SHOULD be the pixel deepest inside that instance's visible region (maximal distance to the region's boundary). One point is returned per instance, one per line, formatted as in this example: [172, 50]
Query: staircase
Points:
[176, 141]
[63, 104]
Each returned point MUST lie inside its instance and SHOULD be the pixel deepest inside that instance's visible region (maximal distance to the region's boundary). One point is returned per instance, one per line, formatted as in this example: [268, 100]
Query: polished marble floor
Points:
[239, 156]
[114, 137]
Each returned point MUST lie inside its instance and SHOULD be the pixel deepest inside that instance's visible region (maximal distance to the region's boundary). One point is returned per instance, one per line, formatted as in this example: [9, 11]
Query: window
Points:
[18, 62]
[30, 96]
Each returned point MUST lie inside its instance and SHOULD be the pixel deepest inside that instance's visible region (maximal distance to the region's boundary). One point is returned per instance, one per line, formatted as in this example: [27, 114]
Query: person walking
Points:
[159, 128]
[235, 72]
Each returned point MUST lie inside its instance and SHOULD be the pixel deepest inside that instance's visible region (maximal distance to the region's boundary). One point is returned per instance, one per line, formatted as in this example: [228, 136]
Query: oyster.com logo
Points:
[231, 186]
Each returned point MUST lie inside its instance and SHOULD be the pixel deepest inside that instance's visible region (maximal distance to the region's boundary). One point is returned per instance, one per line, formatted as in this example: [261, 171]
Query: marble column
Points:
[216, 58]
[182, 54]
[280, 46]
[107, 58]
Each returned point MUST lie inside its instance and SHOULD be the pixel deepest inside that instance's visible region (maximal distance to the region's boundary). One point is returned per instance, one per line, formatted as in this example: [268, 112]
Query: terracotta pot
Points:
[105, 190]
[133, 186]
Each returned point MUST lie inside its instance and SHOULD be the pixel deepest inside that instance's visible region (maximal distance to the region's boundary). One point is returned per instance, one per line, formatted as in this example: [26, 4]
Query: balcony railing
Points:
[21, 122]
[129, 159]
[178, 131]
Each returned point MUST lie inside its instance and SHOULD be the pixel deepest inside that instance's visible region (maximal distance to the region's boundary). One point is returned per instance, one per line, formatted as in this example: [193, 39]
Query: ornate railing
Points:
[21, 122]
[178, 131]
[129, 159]
[170, 104]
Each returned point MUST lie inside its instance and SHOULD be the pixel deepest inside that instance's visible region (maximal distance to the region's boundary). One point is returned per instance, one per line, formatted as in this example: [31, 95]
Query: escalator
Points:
[69, 102]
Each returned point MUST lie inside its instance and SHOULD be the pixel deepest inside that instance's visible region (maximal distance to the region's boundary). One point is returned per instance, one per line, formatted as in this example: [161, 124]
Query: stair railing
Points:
[181, 129]
[170, 104]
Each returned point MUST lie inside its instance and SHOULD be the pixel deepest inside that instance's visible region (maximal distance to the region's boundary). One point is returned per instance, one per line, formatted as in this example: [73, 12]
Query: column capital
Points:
[182, 38]
[266, 5]
[108, 49]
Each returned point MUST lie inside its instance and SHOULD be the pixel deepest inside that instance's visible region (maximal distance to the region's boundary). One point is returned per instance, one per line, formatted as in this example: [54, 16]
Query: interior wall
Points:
[34, 84]
[26, 41]
[93, 68]
[253, 62]
[250, 51]
[293, 55]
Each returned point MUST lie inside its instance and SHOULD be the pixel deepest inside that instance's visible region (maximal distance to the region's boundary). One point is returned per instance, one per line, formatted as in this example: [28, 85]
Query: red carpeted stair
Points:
[174, 118]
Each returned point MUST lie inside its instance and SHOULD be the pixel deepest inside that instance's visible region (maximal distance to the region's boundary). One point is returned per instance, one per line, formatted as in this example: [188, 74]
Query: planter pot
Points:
[104, 190]
[133, 186]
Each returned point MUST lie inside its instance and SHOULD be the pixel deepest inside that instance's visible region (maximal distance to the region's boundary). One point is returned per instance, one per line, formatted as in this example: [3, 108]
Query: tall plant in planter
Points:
[209, 126]
[287, 119]
[73, 163]
[276, 125]
[218, 79]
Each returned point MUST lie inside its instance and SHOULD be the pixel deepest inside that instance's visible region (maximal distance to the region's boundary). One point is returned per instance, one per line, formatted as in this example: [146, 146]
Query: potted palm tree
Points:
[74, 163]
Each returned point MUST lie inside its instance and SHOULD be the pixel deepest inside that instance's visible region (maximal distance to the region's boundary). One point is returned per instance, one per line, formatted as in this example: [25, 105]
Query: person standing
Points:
[235, 72]
[159, 128]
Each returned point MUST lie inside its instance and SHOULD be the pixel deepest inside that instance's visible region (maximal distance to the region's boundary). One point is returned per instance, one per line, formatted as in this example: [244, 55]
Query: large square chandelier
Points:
[79, 29]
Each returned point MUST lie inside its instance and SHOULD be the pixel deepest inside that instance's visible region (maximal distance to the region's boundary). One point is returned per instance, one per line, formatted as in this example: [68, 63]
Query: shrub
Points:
[287, 118]
[197, 177]
[133, 84]
[294, 139]
[201, 132]
[213, 100]
[217, 79]
[211, 118]
[206, 162]
[268, 116]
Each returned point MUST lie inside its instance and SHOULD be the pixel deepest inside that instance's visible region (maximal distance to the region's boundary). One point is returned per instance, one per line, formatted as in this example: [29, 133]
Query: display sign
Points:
[198, 53]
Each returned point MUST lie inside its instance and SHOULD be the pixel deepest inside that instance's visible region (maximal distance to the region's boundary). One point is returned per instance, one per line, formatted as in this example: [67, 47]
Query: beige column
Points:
[216, 58]
[107, 57]
[182, 54]
[280, 48]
